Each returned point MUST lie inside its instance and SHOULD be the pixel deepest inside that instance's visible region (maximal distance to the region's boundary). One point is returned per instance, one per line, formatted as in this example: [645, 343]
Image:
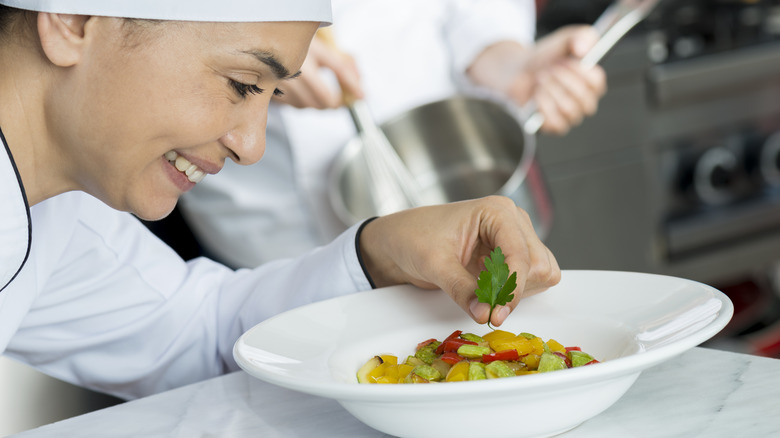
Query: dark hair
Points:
[5, 15]
[8, 16]
[134, 28]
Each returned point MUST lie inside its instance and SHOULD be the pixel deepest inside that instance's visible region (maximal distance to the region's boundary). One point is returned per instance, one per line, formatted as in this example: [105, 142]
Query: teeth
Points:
[197, 176]
[182, 164]
[194, 174]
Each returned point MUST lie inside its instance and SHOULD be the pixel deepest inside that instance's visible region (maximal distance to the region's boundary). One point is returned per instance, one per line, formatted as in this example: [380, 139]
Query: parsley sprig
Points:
[495, 285]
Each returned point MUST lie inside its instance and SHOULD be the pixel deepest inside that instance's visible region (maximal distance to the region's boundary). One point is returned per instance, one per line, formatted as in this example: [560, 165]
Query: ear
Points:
[62, 37]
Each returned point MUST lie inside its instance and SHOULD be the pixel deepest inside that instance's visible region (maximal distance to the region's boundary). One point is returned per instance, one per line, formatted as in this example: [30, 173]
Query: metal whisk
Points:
[392, 186]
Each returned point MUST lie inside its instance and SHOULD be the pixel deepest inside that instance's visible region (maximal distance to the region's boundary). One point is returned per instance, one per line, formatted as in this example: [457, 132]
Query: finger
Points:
[500, 314]
[460, 285]
[581, 94]
[534, 263]
[554, 122]
[566, 90]
[347, 73]
[321, 95]
[349, 78]
[593, 79]
[582, 38]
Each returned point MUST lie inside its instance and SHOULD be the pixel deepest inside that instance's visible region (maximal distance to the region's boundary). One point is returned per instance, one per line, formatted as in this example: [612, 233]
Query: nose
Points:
[247, 139]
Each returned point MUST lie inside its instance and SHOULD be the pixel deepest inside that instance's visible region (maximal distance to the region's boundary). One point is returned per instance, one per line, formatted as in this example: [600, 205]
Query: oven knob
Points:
[715, 175]
[769, 160]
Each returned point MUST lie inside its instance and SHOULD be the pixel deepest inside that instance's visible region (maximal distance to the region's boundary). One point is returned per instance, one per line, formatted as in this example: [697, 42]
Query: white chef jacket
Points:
[409, 52]
[102, 303]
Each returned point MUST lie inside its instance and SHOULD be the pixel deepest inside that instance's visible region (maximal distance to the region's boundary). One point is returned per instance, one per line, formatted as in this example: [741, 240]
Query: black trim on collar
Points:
[26, 206]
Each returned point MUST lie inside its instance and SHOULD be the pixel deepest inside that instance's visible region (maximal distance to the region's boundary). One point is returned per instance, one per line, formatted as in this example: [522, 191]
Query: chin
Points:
[154, 212]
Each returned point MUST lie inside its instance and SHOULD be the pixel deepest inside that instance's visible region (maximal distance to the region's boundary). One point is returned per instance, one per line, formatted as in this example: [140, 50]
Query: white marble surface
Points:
[703, 393]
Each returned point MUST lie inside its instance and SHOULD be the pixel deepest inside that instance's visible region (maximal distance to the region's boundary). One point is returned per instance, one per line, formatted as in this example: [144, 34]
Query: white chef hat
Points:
[188, 10]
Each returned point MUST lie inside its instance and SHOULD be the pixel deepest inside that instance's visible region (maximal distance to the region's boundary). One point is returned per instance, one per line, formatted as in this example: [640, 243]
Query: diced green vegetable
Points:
[427, 372]
[472, 337]
[428, 353]
[551, 362]
[579, 358]
[362, 374]
[473, 351]
[477, 371]
[413, 361]
[498, 369]
[441, 366]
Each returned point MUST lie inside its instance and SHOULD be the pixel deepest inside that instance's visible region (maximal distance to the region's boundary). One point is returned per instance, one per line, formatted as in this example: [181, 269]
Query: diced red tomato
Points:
[573, 349]
[451, 357]
[592, 362]
[424, 343]
[454, 344]
[501, 355]
[454, 335]
[565, 357]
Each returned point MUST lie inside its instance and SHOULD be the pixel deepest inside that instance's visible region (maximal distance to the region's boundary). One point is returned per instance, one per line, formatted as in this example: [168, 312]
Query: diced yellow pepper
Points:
[556, 346]
[531, 361]
[497, 334]
[522, 373]
[404, 370]
[377, 372]
[459, 372]
[386, 379]
[519, 343]
[389, 359]
[538, 346]
[391, 371]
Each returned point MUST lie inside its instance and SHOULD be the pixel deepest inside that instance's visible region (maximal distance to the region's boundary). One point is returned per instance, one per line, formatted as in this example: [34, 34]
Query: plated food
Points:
[466, 356]
[629, 321]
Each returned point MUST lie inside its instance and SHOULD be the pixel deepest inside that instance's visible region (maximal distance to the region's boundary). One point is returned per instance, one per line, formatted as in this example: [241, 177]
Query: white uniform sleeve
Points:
[120, 312]
[473, 25]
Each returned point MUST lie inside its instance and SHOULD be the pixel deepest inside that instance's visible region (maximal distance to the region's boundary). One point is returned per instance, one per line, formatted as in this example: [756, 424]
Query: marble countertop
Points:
[702, 393]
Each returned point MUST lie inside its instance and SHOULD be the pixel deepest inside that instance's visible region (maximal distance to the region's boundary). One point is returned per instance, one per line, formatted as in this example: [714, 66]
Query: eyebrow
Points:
[280, 71]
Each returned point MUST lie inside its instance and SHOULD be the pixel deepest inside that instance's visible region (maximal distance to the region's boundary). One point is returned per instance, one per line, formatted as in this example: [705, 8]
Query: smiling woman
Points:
[174, 111]
[103, 114]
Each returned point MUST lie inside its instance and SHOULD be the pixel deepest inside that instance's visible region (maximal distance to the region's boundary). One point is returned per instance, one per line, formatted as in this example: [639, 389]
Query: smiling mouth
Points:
[194, 173]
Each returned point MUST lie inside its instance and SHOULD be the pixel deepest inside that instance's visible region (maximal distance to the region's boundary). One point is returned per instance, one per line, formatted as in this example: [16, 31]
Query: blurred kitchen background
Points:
[678, 174]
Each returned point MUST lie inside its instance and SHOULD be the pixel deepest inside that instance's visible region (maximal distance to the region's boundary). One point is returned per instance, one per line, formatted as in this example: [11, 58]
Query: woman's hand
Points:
[311, 90]
[550, 72]
[444, 247]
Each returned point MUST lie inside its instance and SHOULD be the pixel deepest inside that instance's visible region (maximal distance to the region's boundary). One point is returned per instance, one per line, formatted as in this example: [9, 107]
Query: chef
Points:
[113, 108]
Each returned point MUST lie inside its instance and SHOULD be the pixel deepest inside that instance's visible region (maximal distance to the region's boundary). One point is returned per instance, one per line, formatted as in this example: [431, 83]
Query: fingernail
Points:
[503, 313]
[478, 309]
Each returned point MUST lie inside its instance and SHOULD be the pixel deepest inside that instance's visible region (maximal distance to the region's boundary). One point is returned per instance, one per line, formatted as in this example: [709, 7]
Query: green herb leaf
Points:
[495, 285]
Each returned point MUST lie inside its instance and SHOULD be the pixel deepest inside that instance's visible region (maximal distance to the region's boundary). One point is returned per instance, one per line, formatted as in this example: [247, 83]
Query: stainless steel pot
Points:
[464, 147]
[456, 149]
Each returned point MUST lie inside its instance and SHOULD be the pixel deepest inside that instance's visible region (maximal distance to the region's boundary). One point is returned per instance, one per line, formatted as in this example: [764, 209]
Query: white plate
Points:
[629, 321]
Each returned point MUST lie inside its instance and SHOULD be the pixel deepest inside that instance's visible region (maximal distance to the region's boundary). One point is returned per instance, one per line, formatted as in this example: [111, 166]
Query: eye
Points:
[244, 89]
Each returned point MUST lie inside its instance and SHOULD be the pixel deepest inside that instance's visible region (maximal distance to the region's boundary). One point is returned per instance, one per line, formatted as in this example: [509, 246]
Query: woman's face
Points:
[151, 107]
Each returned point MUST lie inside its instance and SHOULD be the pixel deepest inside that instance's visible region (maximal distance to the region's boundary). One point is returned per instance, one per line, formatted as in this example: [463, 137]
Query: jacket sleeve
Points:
[473, 25]
[118, 311]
